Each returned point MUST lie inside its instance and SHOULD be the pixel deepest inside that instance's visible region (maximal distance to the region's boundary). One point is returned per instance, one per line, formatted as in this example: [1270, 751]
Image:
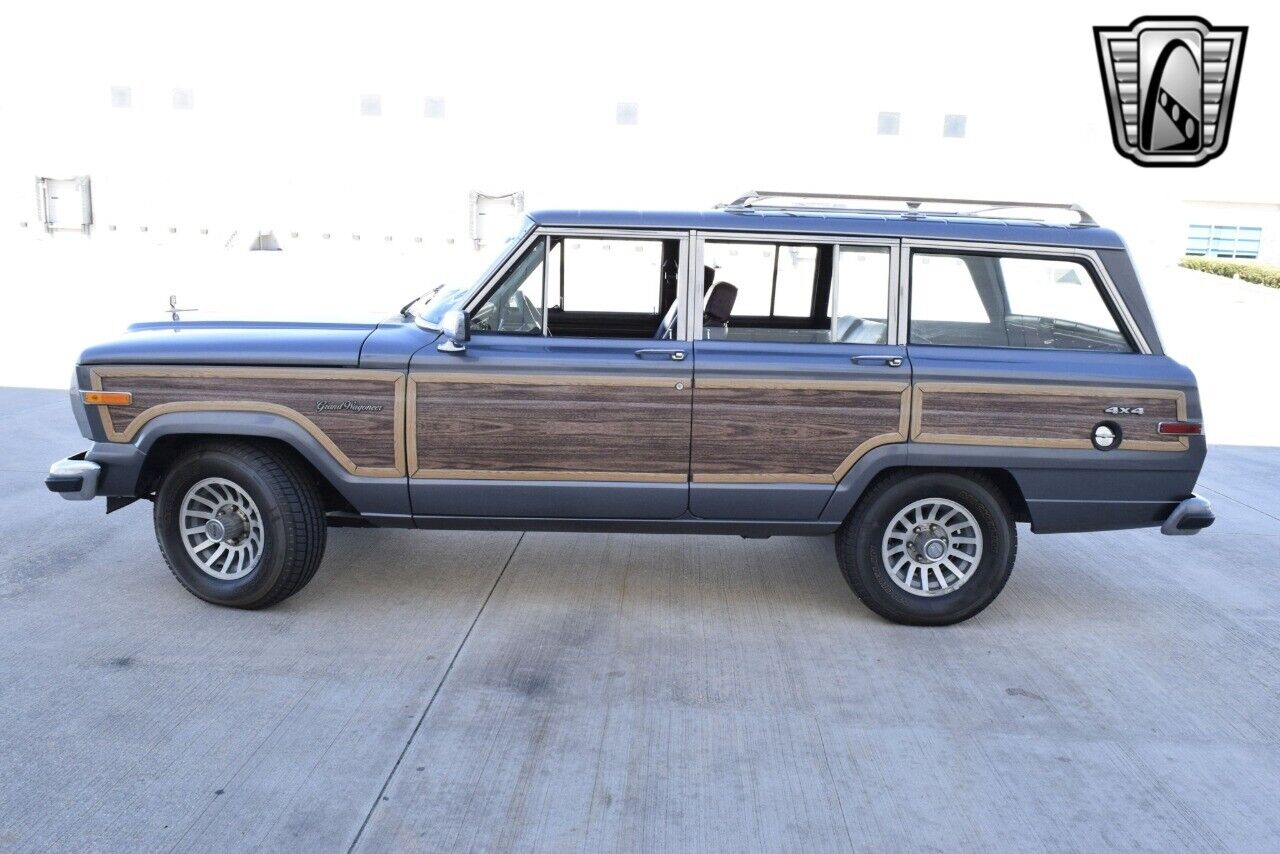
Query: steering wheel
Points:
[515, 313]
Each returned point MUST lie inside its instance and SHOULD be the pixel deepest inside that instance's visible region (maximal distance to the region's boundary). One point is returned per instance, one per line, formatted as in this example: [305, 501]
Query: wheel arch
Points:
[169, 447]
[1001, 478]
[890, 460]
[162, 439]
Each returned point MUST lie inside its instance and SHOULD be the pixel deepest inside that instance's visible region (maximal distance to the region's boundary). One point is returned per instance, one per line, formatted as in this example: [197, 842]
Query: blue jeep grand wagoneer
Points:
[913, 376]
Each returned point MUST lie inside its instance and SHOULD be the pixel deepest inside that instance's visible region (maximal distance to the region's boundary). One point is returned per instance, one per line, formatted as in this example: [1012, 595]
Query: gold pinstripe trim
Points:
[487, 474]
[480, 378]
[786, 384]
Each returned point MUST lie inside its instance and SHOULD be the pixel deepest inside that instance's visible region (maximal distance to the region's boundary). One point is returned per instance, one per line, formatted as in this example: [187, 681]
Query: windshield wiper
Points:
[404, 312]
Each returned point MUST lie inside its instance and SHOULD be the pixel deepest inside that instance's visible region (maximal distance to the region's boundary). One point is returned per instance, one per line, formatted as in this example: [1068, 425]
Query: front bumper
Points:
[1192, 515]
[74, 478]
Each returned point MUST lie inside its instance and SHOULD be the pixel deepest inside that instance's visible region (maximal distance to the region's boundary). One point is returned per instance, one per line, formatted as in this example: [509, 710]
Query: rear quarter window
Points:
[978, 299]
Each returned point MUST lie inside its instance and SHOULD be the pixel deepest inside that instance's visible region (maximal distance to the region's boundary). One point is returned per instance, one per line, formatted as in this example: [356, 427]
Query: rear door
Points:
[804, 377]
[568, 401]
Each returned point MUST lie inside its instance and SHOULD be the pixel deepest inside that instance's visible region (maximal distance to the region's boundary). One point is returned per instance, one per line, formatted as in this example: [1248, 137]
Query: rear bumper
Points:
[74, 478]
[1192, 515]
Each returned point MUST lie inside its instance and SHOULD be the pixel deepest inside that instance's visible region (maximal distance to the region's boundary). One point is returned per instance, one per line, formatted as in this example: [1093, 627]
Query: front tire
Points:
[928, 549]
[240, 525]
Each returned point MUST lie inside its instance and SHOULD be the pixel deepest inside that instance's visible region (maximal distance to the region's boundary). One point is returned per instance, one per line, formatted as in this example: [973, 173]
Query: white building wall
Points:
[268, 134]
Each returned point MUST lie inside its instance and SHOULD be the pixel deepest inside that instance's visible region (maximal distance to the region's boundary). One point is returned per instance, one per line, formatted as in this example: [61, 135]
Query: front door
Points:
[572, 399]
[799, 372]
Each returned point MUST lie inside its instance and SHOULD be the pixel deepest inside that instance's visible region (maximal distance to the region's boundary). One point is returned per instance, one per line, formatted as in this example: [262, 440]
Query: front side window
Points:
[979, 300]
[591, 287]
[590, 274]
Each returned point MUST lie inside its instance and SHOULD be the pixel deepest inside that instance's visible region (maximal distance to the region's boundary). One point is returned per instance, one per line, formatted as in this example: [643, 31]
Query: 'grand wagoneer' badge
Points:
[346, 406]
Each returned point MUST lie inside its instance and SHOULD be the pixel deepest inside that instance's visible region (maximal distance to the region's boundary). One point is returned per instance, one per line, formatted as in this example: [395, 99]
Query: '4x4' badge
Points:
[1170, 85]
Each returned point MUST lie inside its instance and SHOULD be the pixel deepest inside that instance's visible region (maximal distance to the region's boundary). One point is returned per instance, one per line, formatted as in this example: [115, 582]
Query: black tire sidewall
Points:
[886, 597]
[239, 592]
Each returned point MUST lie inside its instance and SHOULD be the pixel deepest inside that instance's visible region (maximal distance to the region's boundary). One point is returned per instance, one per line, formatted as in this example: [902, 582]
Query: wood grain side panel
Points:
[356, 415]
[597, 428]
[751, 432]
[1041, 416]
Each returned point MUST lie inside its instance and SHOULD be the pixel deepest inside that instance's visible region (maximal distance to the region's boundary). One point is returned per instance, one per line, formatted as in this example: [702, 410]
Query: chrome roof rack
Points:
[756, 200]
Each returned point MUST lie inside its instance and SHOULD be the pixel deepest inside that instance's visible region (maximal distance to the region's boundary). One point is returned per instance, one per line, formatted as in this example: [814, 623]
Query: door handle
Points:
[891, 361]
[654, 353]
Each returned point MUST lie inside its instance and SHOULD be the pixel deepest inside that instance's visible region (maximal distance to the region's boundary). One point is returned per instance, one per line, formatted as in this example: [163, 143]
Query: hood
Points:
[234, 343]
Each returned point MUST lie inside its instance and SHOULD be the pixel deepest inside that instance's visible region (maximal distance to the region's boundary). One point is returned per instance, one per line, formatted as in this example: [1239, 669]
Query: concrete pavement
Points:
[498, 691]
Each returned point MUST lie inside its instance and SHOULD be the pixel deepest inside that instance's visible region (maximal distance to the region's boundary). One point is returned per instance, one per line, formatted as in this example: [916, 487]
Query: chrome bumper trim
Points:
[1192, 515]
[74, 478]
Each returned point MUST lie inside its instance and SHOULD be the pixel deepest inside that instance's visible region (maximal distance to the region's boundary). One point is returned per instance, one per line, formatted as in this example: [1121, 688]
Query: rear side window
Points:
[974, 300]
[859, 298]
[772, 280]
[790, 293]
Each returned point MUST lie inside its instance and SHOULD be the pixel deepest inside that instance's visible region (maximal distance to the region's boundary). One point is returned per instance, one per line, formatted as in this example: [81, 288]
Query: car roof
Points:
[851, 224]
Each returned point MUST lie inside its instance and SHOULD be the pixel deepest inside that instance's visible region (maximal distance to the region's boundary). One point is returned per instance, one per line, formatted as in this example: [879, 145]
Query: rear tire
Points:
[268, 533]
[928, 549]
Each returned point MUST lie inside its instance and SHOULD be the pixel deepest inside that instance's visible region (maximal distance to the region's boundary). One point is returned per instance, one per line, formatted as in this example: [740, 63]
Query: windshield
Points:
[432, 306]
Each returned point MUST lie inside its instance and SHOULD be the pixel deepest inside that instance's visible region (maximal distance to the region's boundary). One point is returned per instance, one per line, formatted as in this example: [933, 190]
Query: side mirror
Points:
[456, 327]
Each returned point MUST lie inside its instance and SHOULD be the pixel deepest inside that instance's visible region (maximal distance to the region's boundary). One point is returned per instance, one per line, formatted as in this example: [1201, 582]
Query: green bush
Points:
[1250, 271]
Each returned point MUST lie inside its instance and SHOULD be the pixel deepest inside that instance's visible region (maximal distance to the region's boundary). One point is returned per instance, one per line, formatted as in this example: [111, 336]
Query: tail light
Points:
[1180, 428]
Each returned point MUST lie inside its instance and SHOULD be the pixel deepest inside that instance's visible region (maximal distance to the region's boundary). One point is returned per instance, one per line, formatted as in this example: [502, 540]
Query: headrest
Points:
[719, 305]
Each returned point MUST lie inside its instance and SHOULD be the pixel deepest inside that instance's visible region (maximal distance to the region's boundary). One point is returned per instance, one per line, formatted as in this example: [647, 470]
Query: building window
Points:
[1224, 241]
[953, 125]
[183, 99]
[887, 124]
[121, 96]
[433, 107]
[628, 113]
[370, 105]
[495, 217]
[65, 203]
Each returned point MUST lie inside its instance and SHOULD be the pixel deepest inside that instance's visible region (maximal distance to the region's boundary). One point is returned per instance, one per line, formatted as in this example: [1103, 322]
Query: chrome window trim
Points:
[834, 291]
[546, 278]
[1089, 257]
[795, 237]
[681, 332]
[693, 302]
[545, 233]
